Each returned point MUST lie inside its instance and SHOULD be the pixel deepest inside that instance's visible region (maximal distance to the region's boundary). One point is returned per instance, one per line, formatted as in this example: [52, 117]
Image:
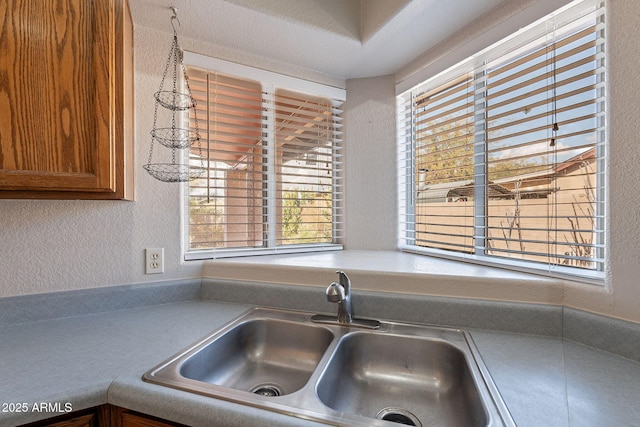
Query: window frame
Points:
[273, 82]
[407, 166]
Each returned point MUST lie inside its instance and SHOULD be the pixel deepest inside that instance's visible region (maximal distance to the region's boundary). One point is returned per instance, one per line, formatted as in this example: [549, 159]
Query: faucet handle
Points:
[335, 292]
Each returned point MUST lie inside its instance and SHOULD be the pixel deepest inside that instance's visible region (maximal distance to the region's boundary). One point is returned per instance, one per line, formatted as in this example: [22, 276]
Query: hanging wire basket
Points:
[175, 137]
[173, 172]
[175, 101]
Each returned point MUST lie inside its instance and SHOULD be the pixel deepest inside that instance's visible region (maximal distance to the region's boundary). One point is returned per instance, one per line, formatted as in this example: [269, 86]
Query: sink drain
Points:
[268, 390]
[399, 416]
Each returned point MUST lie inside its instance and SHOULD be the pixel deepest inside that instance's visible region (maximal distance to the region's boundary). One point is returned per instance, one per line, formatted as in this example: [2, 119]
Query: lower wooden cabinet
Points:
[92, 417]
[104, 416]
[126, 418]
[89, 420]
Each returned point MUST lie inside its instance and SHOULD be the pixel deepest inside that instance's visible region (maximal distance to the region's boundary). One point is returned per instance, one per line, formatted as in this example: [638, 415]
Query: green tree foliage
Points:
[292, 213]
[206, 223]
[306, 217]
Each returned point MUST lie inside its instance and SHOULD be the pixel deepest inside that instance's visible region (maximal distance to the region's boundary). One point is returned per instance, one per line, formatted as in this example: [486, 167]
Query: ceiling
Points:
[341, 38]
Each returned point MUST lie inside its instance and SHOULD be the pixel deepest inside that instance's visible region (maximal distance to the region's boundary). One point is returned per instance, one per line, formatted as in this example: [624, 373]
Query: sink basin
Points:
[408, 380]
[282, 361]
[267, 356]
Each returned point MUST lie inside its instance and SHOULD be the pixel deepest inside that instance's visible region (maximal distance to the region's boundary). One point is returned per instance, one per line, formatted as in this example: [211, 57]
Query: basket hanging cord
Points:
[164, 75]
[174, 137]
[174, 18]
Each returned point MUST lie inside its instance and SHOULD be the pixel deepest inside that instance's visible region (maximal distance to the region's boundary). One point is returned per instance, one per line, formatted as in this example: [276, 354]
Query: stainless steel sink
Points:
[266, 356]
[406, 379]
[281, 361]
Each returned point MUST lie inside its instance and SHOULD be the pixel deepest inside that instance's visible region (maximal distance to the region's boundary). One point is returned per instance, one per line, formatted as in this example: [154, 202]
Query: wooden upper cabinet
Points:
[66, 99]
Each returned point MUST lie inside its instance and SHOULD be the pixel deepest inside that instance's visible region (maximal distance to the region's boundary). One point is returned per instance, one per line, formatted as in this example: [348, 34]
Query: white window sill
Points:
[391, 271]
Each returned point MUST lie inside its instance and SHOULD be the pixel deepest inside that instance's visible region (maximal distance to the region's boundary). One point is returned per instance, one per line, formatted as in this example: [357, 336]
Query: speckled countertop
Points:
[92, 359]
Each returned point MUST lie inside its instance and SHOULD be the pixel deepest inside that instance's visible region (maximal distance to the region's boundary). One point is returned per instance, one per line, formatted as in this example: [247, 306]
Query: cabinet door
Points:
[81, 421]
[86, 418]
[64, 109]
[125, 418]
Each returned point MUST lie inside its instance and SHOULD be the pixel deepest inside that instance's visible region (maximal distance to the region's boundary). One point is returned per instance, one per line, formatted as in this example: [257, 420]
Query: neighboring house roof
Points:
[455, 190]
[552, 171]
[534, 182]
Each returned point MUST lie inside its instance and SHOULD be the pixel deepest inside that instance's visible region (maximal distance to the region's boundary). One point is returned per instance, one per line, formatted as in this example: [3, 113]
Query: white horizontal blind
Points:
[274, 160]
[511, 166]
[308, 135]
[545, 114]
[226, 204]
[441, 130]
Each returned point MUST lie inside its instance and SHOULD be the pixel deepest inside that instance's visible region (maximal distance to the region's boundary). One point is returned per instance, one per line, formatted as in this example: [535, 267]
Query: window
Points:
[273, 160]
[502, 156]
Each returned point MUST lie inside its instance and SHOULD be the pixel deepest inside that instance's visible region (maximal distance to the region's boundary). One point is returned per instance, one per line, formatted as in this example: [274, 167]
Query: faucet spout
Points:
[343, 297]
[345, 312]
[340, 292]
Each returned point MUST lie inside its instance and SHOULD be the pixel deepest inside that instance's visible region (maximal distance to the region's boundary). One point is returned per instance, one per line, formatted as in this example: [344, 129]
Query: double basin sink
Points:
[399, 373]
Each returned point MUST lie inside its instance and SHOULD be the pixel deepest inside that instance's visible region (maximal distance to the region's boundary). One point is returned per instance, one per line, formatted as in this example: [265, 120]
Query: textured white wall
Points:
[68, 244]
[49, 246]
[59, 245]
[621, 295]
[370, 181]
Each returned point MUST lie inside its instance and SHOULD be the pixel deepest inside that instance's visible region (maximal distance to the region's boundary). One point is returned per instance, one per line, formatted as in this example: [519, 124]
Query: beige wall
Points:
[450, 225]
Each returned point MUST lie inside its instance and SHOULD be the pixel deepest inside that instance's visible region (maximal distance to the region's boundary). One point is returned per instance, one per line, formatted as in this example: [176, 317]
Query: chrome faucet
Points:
[340, 292]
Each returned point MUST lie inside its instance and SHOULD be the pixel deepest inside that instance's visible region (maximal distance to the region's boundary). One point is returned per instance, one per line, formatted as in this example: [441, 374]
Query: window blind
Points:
[501, 157]
[308, 160]
[226, 204]
[273, 168]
